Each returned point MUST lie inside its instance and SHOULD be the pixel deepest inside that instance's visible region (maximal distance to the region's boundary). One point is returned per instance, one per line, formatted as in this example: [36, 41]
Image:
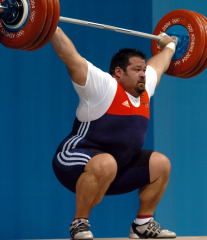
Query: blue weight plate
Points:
[183, 40]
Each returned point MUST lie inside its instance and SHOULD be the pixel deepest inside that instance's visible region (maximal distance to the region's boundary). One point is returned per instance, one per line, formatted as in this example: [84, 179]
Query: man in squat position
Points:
[103, 153]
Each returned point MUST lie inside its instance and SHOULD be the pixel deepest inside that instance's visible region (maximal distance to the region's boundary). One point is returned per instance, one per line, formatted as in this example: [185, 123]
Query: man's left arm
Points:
[161, 61]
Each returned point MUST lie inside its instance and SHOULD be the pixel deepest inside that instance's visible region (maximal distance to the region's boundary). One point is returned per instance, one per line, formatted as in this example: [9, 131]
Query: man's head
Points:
[128, 67]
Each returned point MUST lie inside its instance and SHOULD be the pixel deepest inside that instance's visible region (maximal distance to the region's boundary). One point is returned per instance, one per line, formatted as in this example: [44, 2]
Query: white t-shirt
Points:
[98, 93]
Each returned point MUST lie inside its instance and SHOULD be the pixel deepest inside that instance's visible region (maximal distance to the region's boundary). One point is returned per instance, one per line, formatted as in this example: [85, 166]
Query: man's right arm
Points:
[161, 61]
[76, 64]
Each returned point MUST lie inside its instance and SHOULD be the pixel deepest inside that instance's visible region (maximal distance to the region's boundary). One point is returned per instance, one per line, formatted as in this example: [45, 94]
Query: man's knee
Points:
[103, 166]
[160, 166]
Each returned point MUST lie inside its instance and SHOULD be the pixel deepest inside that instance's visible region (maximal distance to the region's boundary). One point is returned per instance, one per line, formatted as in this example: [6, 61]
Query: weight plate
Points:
[200, 64]
[56, 17]
[203, 63]
[46, 28]
[186, 26]
[32, 29]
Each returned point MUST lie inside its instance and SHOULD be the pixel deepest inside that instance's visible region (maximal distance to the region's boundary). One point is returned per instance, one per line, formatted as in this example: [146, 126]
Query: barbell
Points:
[30, 24]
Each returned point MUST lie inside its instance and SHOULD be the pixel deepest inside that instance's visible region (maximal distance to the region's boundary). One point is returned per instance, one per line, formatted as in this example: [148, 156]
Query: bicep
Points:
[160, 62]
[77, 68]
[65, 49]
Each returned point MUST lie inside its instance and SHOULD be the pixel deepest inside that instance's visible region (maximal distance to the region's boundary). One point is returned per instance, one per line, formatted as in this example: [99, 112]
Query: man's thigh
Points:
[69, 165]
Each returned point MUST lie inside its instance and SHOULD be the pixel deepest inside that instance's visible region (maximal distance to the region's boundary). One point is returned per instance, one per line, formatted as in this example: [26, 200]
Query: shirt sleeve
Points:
[96, 95]
[98, 83]
[151, 80]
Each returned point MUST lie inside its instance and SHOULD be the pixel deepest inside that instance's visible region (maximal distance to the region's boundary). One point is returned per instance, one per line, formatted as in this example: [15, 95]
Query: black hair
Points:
[121, 58]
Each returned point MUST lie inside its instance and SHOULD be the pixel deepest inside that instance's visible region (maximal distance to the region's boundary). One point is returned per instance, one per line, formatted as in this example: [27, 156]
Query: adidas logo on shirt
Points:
[126, 104]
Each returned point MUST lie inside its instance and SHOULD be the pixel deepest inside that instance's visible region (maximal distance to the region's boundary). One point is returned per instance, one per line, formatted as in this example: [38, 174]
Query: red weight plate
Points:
[204, 65]
[196, 70]
[56, 17]
[32, 29]
[46, 27]
[206, 43]
[194, 51]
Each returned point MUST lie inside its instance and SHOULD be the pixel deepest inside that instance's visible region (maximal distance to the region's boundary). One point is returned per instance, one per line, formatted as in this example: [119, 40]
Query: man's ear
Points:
[118, 72]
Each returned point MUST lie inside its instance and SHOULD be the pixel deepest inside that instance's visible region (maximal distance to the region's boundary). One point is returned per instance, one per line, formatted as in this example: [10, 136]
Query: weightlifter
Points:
[103, 153]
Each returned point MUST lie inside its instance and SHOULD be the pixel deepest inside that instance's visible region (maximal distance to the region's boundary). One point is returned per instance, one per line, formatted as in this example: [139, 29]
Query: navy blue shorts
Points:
[68, 166]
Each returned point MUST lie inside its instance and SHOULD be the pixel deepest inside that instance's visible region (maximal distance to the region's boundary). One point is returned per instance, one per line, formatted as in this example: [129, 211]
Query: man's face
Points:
[133, 79]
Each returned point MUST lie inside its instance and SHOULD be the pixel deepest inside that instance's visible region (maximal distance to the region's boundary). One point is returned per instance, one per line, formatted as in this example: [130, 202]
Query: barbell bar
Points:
[30, 24]
[109, 27]
[101, 26]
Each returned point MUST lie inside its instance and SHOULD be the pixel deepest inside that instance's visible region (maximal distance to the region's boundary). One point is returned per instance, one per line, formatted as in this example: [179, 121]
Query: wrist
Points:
[172, 46]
